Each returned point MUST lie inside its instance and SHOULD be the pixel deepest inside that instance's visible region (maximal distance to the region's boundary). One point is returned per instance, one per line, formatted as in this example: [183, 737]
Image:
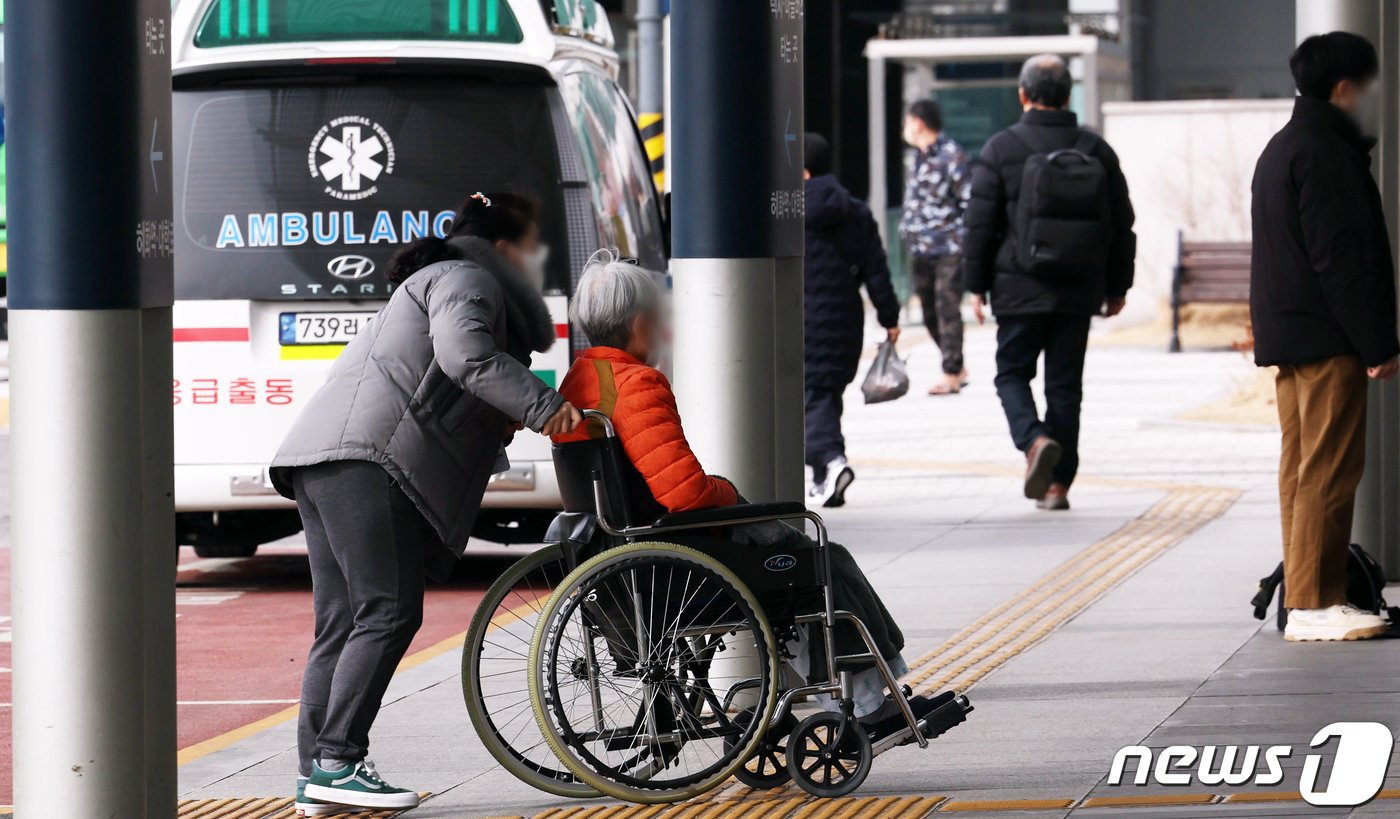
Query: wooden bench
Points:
[1208, 272]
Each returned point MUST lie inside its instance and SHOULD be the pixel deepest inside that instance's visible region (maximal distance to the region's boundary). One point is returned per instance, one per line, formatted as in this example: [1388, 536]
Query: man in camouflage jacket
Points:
[931, 227]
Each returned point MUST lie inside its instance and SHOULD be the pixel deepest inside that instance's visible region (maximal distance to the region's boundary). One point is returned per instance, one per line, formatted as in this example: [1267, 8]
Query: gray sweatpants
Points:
[367, 543]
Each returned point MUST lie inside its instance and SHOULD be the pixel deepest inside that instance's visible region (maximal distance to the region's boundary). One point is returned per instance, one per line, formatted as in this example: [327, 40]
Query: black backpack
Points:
[1365, 583]
[1062, 227]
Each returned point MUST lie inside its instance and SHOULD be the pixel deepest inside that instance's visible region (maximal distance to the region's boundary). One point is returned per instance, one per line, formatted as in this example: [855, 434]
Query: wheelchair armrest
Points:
[720, 515]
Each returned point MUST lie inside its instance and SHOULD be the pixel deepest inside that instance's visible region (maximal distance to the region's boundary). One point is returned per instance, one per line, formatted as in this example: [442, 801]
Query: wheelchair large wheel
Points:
[630, 679]
[495, 666]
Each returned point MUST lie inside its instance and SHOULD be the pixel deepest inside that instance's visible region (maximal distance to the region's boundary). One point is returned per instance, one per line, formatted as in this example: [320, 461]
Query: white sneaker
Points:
[832, 491]
[1333, 623]
[306, 806]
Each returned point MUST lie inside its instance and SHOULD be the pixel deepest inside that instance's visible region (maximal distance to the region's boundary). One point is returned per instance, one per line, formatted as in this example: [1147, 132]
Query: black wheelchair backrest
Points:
[628, 501]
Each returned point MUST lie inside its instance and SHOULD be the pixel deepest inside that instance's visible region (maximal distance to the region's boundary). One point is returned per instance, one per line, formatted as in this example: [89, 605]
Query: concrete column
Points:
[1377, 519]
[90, 291]
[737, 238]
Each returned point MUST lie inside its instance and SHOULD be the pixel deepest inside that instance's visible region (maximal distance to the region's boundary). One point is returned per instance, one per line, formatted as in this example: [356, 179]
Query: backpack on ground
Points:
[1062, 227]
[1365, 585]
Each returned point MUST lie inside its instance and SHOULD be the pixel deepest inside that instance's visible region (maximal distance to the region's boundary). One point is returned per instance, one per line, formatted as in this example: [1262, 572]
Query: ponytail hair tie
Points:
[483, 198]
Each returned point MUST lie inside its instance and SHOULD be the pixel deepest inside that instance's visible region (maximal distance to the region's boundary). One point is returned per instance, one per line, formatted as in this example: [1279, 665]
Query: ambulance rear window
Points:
[304, 188]
[251, 22]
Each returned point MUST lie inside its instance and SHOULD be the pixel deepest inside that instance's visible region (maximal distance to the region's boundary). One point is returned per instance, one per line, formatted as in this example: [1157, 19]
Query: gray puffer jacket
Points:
[430, 386]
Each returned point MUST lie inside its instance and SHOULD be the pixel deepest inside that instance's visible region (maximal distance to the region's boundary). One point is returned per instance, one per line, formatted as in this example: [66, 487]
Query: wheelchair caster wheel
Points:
[829, 754]
[768, 767]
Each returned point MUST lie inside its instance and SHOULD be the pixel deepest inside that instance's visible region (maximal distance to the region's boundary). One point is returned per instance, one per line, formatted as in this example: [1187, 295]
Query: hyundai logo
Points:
[779, 563]
[350, 267]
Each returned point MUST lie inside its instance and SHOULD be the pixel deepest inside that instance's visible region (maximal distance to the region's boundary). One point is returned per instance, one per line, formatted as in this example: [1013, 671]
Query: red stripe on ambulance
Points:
[209, 334]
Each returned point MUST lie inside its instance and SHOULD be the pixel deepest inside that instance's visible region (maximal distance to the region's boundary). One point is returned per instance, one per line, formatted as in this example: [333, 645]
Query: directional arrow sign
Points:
[788, 137]
[159, 156]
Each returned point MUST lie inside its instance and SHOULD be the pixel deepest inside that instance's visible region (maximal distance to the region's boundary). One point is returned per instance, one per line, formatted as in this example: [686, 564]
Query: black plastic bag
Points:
[888, 378]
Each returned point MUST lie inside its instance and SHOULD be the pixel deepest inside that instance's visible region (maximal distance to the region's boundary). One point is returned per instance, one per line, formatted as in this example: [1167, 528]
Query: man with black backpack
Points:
[1050, 236]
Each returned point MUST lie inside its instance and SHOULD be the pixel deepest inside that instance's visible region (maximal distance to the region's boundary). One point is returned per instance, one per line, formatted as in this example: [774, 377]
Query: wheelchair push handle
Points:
[608, 430]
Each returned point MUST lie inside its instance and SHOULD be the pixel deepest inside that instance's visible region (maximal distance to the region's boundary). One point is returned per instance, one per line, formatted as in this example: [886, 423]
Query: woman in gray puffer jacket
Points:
[389, 461]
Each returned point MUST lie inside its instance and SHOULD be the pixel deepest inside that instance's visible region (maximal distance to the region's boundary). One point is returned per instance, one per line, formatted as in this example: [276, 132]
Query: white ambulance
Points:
[313, 138]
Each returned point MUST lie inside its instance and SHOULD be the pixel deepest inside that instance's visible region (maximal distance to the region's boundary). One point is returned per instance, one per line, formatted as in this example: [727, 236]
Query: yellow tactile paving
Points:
[279, 808]
[1032, 615]
[978, 805]
[1150, 800]
[851, 807]
[1263, 796]
[920, 807]
[824, 809]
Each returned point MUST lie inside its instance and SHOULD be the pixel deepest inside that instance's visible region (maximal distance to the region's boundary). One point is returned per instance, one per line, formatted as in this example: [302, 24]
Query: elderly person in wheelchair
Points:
[832, 637]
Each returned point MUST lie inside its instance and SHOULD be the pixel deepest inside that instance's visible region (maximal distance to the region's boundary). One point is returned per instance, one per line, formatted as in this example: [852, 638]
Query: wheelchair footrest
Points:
[949, 715]
[935, 724]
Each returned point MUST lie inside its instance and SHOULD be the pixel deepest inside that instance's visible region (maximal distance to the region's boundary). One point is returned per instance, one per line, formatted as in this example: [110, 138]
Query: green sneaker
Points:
[358, 785]
[306, 806]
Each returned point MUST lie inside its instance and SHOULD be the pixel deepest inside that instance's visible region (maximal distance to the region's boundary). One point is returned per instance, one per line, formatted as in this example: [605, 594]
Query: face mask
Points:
[1367, 110]
[532, 265]
[909, 136]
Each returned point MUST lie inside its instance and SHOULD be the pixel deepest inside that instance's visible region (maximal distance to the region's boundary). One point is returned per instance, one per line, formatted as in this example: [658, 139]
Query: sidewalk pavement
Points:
[1123, 622]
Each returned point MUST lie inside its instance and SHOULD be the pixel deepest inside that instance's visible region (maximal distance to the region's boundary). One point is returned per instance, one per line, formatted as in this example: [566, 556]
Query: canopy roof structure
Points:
[1101, 71]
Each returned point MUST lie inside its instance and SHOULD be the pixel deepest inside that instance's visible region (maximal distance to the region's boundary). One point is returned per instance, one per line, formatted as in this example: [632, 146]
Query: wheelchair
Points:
[648, 661]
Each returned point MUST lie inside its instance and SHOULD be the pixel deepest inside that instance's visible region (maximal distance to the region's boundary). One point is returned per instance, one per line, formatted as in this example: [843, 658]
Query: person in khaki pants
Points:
[1322, 410]
[1322, 298]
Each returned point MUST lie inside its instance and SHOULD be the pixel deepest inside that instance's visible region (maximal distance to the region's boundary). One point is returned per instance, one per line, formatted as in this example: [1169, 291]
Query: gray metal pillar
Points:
[158, 559]
[1377, 520]
[1382, 515]
[90, 292]
[788, 399]
[651, 93]
[737, 238]
[1093, 93]
[877, 197]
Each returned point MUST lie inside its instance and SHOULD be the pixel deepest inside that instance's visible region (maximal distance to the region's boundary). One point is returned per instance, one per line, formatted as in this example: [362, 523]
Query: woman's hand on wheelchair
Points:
[564, 420]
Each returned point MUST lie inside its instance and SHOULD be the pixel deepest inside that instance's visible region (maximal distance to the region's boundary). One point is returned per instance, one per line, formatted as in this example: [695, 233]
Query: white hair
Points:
[610, 293]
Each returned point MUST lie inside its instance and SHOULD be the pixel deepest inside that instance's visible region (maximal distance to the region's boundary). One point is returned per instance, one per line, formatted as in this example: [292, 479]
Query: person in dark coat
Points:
[1038, 315]
[843, 253]
[1322, 300]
